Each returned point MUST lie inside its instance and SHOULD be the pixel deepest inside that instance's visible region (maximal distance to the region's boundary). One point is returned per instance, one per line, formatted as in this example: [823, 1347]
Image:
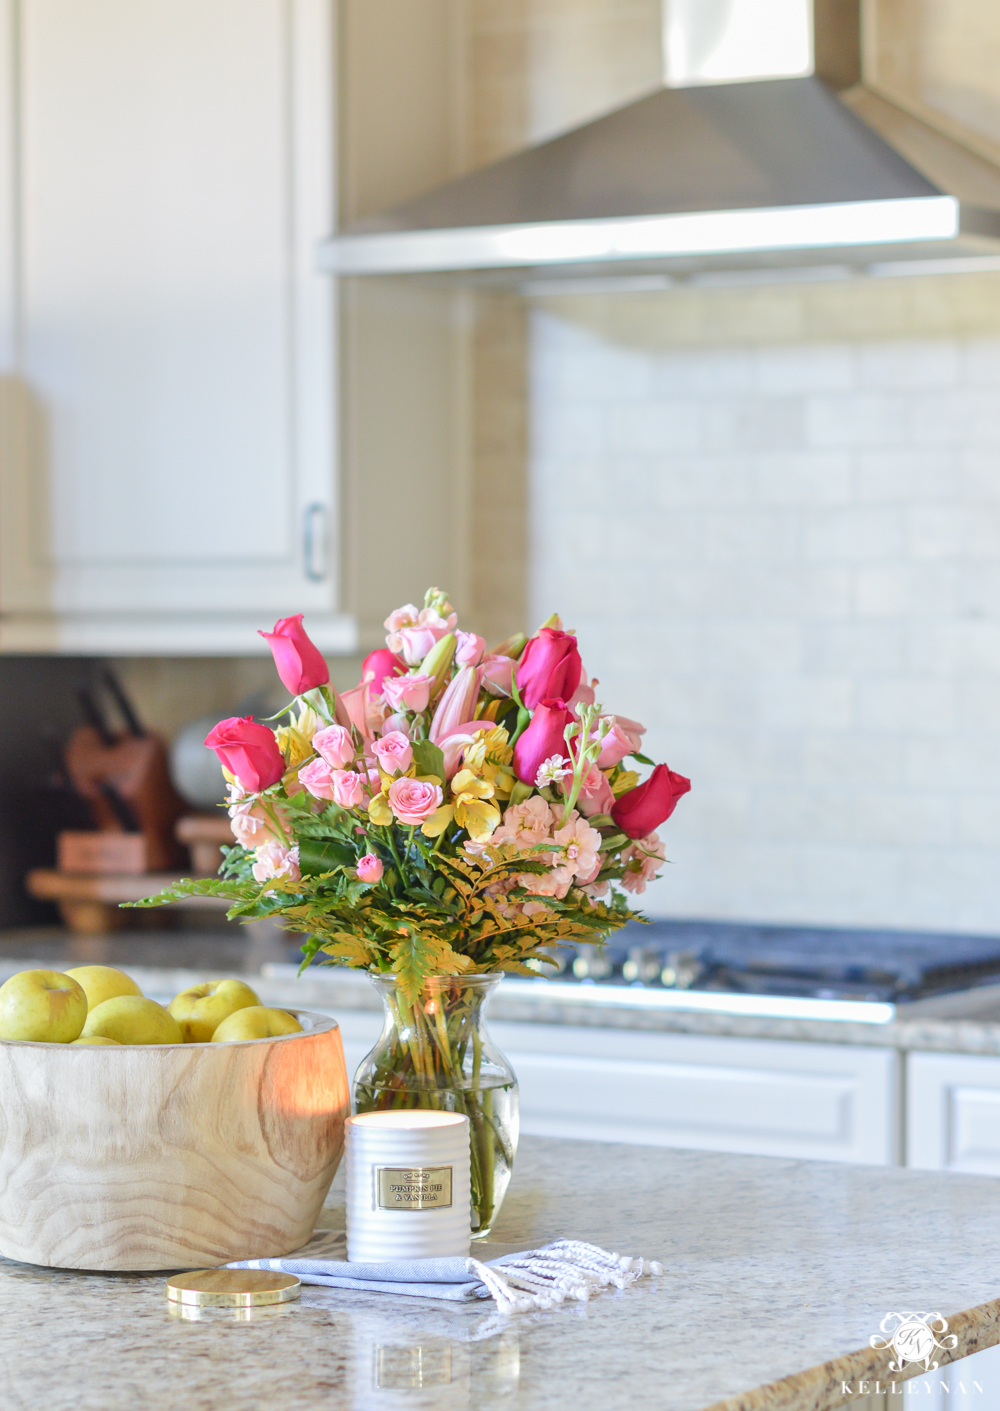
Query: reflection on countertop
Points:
[776, 1274]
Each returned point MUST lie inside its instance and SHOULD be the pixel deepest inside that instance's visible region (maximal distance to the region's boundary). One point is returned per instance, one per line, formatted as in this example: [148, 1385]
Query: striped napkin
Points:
[517, 1283]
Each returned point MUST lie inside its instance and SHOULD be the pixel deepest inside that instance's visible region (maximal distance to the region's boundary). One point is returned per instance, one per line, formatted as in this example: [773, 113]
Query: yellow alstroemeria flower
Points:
[308, 722]
[379, 811]
[293, 745]
[434, 826]
[473, 810]
[626, 780]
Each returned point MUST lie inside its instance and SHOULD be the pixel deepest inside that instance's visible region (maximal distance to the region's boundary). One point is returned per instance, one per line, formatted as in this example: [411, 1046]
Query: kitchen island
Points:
[776, 1274]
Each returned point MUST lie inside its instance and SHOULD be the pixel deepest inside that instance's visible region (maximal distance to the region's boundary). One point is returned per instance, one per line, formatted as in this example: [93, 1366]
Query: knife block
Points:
[127, 784]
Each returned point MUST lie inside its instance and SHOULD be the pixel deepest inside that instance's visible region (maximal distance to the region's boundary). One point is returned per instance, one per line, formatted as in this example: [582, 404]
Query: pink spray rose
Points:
[300, 664]
[412, 802]
[393, 752]
[410, 692]
[642, 862]
[315, 777]
[370, 869]
[273, 860]
[624, 737]
[249, 751]
[543, 738]
[348, 788]
[335, 745]
[550, 667]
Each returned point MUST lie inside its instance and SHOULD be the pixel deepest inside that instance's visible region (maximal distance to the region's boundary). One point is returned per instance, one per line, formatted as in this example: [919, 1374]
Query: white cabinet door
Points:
[168, 475]
[953, 1113]
[828, 1101]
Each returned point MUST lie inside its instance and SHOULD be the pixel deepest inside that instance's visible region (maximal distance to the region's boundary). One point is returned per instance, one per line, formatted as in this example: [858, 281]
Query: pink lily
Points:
[458, 703]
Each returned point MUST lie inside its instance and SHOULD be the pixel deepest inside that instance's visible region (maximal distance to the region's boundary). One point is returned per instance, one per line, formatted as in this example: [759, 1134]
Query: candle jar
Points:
[407, 1185]
[435, 1052]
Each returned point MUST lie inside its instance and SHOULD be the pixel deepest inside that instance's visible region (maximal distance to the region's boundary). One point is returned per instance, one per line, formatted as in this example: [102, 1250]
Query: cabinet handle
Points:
[314, 542]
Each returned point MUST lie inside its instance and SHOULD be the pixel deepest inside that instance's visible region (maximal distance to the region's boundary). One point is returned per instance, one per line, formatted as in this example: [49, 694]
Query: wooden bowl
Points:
[168, 1156]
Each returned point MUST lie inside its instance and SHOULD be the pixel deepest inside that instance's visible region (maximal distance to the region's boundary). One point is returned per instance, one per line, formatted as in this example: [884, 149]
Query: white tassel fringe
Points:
[567, 1269]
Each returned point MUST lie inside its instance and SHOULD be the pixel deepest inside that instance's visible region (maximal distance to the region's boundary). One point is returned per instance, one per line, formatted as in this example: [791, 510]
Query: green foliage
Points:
[436, 911]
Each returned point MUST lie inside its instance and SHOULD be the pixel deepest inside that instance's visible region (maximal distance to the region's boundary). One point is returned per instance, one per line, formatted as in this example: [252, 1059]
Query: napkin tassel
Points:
[566, 1269]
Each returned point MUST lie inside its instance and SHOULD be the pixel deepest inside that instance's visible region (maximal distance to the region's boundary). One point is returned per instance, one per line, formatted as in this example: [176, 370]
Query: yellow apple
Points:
[42, 1006]
[130, 1019]
[101, 982]
[256, 1022]
[96, 1039]
[201, 1009]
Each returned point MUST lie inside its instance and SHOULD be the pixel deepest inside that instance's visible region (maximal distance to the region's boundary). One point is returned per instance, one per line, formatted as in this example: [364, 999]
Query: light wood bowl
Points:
[168, 1156]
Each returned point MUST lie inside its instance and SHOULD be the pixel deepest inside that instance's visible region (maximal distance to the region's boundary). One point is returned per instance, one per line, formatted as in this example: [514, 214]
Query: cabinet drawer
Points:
[827, 1101]
[953, 1113]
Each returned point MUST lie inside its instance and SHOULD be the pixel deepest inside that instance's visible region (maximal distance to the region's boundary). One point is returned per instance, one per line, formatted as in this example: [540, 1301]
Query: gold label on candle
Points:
[414, 1187]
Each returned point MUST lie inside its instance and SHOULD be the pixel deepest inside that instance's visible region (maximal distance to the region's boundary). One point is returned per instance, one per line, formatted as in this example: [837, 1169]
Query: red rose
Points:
[648, 805]
[542, 739]
[249, 751]
[300, 664]
[550, 668]
[381, 663]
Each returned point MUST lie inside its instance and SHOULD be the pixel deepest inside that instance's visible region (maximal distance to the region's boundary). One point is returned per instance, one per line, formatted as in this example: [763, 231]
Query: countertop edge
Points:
[820, 1388]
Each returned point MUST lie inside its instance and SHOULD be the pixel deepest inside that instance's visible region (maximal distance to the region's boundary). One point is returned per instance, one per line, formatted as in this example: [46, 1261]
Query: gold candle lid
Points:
[233, 1288]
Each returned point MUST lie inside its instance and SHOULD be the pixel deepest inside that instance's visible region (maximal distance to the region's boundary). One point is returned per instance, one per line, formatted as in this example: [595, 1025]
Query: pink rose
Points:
[648, 805]
[399, 722]
[412, 802]
[543, 738]
[410, 692]
[550, 667]
[624, 737]
[469, 649]
[273, 860]
[642, 862]
[335, 745]
[370, 869]
[348, 788]
[299, 662]
[394, 752]
[249, 751]
[378, 665]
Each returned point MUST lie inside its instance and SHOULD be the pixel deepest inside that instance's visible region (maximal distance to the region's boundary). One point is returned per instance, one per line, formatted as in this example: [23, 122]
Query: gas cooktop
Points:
[805, 962]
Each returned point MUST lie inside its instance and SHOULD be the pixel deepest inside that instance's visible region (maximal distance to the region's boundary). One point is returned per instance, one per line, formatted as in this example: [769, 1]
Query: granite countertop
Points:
[163, 963]
[776, 1274]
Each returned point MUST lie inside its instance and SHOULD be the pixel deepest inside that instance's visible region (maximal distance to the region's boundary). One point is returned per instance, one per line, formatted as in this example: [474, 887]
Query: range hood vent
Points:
[814, 170]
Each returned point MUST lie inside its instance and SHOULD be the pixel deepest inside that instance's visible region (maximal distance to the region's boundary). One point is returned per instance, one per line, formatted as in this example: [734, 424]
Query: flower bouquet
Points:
[459, 813]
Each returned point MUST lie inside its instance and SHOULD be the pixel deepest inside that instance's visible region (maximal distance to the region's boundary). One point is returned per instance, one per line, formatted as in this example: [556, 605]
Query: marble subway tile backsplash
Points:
[774, 518]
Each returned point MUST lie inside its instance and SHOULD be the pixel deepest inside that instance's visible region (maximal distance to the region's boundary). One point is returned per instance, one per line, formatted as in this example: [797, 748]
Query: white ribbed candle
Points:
[407, 1185]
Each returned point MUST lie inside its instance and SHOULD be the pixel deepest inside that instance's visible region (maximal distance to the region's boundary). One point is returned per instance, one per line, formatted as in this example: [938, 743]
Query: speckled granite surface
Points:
[776, 1275]
[166, 962]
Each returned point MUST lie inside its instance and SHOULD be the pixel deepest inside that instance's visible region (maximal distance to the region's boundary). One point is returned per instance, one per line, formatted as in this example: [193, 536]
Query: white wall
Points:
[773, 516]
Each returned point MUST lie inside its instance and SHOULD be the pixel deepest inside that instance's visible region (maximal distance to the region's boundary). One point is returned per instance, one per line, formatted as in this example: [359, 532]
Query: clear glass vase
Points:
[436, 1053]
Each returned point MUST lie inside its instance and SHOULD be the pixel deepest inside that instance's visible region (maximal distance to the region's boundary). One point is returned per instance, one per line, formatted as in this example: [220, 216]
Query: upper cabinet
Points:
[167, 346]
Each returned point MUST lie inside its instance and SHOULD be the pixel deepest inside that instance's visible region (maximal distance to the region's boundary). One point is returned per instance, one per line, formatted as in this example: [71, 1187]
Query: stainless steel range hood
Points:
[774, 172]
